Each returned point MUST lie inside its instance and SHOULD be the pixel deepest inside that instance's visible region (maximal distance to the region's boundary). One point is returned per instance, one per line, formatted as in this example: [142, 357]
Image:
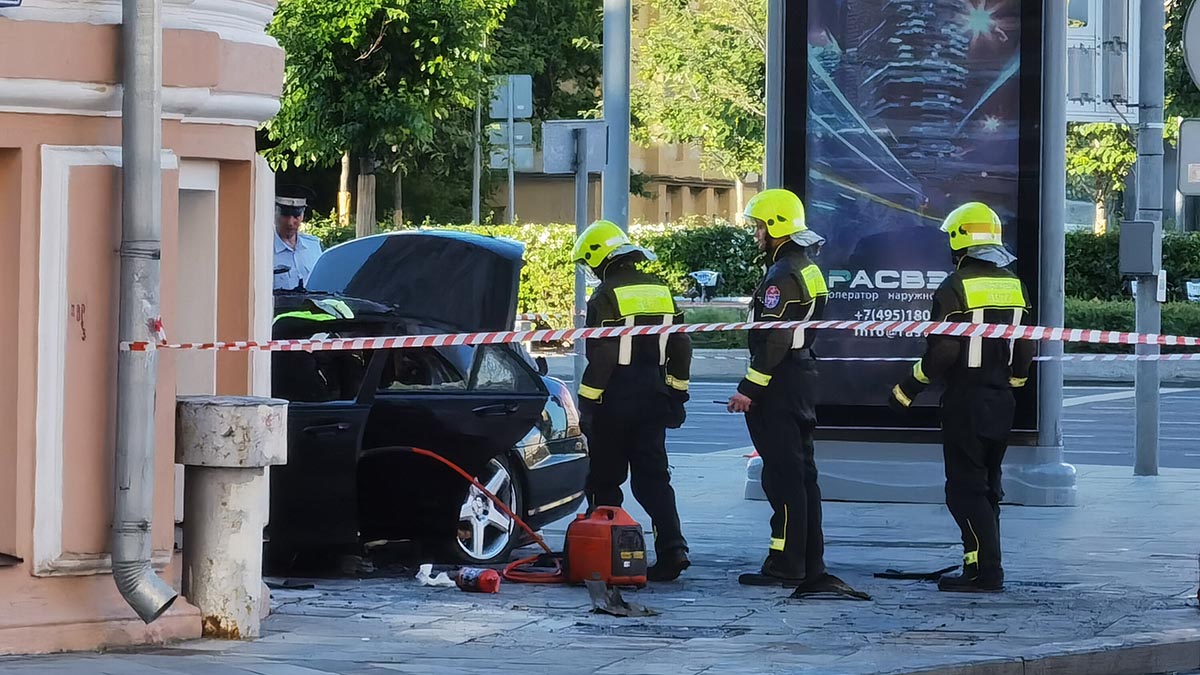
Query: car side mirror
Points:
[542, 366]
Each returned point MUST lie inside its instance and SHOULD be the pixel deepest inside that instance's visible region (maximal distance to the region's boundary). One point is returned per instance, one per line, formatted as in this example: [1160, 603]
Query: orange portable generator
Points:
[606, 546]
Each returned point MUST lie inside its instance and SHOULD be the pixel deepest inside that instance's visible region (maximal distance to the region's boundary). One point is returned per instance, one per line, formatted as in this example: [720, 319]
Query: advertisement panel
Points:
[911, 108]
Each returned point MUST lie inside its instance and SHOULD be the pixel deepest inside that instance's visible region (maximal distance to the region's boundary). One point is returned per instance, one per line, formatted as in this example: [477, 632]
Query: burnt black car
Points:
[350, 480]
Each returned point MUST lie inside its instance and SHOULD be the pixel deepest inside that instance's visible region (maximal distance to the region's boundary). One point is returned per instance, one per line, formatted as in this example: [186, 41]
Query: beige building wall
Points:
[60, 159]
[676, 185]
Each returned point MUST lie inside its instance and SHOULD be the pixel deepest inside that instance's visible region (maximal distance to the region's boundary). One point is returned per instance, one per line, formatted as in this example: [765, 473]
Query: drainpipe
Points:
[141, 213]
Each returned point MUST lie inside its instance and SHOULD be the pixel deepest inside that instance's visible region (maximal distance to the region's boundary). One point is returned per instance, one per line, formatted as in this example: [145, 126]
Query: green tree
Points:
[1099, 157]
[555, 41]
[1183, 97]
[558, 43]
[375, 77]
[700, 79]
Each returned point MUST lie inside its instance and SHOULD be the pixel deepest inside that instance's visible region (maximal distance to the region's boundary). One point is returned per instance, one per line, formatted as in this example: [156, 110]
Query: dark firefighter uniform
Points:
[781, 384]
[979, 375]
[633, 389]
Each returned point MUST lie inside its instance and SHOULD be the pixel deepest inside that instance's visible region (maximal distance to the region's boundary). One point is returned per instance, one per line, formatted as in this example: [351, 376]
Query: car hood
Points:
[466, 281]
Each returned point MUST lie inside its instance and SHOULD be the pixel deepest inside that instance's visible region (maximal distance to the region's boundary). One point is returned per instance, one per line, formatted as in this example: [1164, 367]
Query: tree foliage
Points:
[1099, 157]
[1183, 97]
[558, 43]
[375, 77]
[700, 79]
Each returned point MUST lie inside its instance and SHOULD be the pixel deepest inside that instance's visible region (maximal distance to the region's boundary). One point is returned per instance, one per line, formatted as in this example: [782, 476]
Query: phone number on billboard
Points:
[887, 314]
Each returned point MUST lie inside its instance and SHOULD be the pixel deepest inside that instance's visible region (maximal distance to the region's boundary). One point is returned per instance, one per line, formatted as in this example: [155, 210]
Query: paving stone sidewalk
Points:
[1105, 587]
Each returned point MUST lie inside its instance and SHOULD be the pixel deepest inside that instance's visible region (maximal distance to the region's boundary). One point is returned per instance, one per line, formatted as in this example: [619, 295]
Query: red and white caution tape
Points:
[870, 328]
[913, 359]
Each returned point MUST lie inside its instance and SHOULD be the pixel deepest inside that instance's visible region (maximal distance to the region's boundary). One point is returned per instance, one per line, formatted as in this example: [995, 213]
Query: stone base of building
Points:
[181, 622]
[85, 613]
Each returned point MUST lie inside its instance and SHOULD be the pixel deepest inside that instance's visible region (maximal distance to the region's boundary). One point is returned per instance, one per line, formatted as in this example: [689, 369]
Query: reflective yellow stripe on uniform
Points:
[919, 372]
[1017, 382]
[590, 393]
[993, 292]
[814, 280]
[761, 379]
[971, 558]
[307, 316]
[644, 299]
[780, 543]
[901, 396]
[676, 383]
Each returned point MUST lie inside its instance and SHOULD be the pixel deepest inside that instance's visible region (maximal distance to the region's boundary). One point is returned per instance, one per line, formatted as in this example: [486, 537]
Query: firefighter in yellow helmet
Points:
[779, 390]
[633, 389]
[979, 375]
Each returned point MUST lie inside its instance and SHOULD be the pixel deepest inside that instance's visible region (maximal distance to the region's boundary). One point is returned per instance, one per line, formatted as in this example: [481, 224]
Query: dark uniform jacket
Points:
[630, 366]
[782, 370]
[979, 373]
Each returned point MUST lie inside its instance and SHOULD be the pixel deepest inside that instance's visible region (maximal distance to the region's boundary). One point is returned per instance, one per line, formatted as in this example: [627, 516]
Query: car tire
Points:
[485, 535]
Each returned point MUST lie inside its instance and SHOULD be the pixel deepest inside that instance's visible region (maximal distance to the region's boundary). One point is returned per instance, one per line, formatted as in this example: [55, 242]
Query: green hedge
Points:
[1178, 318]
[548, 278]
[1092, 271]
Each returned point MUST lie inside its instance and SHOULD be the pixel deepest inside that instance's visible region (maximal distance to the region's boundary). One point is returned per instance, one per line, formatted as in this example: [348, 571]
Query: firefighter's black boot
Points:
[669, 565]
[774, 572]
[972, 581]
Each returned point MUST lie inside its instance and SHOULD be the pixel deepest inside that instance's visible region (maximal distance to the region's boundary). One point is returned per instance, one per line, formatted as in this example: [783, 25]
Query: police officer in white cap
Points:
[296, 253]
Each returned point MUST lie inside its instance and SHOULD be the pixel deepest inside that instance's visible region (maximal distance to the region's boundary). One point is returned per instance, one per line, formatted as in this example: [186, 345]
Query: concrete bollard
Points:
[226, 444]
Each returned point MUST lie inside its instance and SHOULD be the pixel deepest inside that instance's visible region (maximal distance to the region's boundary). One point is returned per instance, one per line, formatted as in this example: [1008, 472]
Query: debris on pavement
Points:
[442, 580]
[608, 600]
[828, 587]
[290, 585]
[915, 576]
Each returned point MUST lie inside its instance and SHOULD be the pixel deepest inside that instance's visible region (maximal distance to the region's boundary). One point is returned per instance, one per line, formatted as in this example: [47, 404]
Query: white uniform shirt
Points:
[299, 261]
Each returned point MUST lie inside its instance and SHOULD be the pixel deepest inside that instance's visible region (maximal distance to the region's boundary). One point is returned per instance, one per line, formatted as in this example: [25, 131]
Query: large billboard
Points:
[897, 111]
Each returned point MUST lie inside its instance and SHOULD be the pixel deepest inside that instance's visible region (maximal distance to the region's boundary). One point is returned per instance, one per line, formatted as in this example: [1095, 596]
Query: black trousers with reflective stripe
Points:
[628, 438]
[976, 423]
[784, 440]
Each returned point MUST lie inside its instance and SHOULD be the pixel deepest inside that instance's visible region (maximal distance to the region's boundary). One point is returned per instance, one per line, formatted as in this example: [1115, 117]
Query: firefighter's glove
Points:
[903, 394]
[676, 412]
[587, 411]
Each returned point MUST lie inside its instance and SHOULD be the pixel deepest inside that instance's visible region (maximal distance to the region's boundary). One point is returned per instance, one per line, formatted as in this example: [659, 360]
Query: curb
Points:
[1176, 651]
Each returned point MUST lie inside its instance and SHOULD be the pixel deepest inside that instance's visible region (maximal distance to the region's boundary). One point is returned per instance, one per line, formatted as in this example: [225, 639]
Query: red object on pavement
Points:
[478, 580]
[606, 546]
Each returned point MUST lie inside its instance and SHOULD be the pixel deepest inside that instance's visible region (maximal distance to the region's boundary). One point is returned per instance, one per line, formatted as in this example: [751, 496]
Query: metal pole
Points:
[476, 168]
[773, 173]
[1149, 207]
[581, 223]
[139, 318]
[618, 25]
[512, 160]
[1053, 213]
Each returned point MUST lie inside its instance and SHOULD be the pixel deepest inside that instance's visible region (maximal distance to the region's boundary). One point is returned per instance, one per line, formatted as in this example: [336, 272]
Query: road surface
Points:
[1097, 425]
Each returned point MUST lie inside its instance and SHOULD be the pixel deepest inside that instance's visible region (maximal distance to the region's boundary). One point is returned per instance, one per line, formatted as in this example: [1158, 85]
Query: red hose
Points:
[511, 572]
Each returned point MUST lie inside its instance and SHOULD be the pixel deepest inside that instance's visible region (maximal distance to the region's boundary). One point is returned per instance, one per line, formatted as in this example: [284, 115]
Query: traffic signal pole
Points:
[1151, 92]
[618, 27]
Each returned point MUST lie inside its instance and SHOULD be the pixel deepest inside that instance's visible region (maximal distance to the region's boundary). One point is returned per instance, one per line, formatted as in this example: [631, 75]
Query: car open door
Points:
[468, 404]
[314, 495]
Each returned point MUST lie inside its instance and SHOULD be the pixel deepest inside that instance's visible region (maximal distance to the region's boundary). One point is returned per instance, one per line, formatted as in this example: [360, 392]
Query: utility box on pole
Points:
[1141, 249]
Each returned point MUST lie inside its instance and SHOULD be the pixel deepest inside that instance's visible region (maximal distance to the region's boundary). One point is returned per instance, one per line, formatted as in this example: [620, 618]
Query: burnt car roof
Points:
[465, 281]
